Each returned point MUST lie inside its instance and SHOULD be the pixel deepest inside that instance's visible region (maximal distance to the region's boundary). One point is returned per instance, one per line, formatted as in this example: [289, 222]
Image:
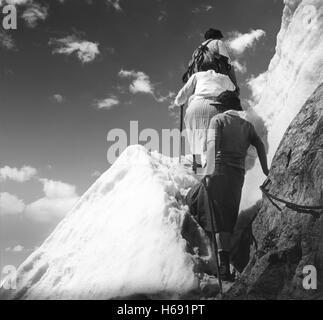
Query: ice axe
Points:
[214, 245]
[180, 133]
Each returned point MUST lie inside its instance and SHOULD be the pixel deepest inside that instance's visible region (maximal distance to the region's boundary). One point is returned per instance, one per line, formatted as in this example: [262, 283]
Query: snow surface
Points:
[124, 237]
[294, 73]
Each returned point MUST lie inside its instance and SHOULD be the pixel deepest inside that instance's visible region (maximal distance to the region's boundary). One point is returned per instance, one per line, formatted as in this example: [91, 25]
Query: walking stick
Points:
[180, 133]
[214, 245]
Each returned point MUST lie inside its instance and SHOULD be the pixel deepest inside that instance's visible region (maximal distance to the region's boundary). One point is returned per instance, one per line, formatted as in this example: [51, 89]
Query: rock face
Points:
[288, 240]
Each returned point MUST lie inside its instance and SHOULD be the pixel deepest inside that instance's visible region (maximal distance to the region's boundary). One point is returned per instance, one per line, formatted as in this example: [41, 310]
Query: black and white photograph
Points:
[161, 151]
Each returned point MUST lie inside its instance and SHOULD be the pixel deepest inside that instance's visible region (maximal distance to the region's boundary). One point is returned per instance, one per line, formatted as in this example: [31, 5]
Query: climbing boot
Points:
[225, 272]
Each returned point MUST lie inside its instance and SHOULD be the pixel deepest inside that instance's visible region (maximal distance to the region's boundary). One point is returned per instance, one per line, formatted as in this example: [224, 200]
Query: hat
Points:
[230, 100]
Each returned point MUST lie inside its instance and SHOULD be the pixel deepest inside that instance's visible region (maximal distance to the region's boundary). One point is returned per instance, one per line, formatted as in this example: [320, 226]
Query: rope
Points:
[315, 211]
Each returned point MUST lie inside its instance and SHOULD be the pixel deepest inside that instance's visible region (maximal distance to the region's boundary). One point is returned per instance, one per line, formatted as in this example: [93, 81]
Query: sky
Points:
[76, 69]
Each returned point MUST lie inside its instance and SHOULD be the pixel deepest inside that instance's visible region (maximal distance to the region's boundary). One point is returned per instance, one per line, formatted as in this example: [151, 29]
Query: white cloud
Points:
[257, 85]
[10, 204]
[107, 103]
[203, 8]
[165, 98]
[35, 13]
[162, 15]
[96, 174]
[6, 41]
[57, 189]
[140, 81]
[59, 198]
[86, 51]
[240, 67]
[58, 98]
[14, 2]
[16, 249]
[19, 175]
[115, 4]
[239, 42]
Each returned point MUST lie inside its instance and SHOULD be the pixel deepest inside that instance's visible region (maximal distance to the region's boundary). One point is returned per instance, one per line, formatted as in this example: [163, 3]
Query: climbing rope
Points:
[315, 211]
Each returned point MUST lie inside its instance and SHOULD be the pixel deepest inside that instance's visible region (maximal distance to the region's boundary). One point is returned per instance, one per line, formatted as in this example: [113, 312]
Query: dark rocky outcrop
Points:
[289, 240]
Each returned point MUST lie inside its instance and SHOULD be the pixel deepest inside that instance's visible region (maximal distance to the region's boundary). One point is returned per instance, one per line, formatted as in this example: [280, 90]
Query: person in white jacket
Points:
[201, 92]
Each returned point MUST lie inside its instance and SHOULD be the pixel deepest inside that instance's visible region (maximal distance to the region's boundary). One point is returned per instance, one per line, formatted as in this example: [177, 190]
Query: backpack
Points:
[200, 56]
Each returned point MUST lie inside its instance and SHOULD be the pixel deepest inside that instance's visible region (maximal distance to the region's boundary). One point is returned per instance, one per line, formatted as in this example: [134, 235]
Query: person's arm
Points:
[213, 145]
[222, 49]
[261, 151]
[185, 93]
[229, 85]
[232, 75]
[233, 78]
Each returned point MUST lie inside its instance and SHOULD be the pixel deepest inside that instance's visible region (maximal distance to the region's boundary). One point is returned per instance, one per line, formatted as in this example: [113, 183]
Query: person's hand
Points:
[207, 180]
[265, 184]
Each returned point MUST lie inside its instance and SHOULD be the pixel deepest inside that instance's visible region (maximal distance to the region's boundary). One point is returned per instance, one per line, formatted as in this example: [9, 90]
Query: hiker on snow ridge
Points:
[201, 92]
[229, 137]
[212, 50]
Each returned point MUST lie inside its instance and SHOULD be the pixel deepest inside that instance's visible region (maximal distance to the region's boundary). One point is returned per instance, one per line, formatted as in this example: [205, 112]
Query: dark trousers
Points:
[225, 189]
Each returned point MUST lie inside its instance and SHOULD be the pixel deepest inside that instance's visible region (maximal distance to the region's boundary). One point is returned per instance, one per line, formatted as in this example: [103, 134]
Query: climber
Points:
[229, 137]
[212, 50]
[201, 92]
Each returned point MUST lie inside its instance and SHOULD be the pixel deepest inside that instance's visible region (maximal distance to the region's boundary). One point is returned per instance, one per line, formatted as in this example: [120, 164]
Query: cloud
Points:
[165, 98]
[57, 189]
[257, 85]
[14, 2]
[85, 51]
[59, 198]
[34, 13]
[58, 98]
[19, 175]
[107, 103]
[162, 15]
[96, 174]
[203, 8]
[239, 42]
[238, 66]
[6, 41]
[16, 249]
[115, 4]
[140, 81]
[10, 204]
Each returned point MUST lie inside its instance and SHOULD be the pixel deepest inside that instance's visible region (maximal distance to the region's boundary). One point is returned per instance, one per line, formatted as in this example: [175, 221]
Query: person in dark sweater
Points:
[229, 137]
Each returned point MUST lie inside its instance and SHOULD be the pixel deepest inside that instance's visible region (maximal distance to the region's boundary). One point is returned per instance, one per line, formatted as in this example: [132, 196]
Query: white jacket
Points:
[205, 84]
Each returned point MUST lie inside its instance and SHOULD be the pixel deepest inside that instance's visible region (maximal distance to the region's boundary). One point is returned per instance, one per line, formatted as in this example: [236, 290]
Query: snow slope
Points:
[295, 71]
[124, 237]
